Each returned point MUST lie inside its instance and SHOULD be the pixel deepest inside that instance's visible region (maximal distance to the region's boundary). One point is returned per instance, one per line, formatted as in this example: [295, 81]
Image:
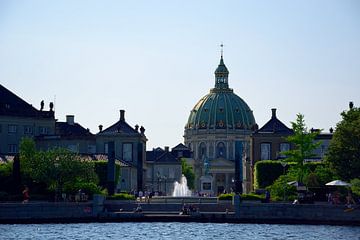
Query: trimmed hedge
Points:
[249, 197]
[266, 172]
[226, 196]
[121, 196]
[101, 171]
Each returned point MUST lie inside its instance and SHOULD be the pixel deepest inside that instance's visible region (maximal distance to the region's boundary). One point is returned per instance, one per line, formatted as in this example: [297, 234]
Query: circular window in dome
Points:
[221, 124]
[239, 125]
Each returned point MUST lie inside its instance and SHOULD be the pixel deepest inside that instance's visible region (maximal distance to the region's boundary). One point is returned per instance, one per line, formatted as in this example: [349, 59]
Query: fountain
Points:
[181, 189]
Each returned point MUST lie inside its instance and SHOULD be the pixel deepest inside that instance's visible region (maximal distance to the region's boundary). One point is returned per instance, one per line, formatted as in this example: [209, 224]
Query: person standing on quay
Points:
[26, 195]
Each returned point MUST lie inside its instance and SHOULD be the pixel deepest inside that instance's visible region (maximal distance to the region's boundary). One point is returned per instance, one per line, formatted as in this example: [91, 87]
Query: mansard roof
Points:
[121, 127]
[275, 126]
[12, 105]
[179, 147]
[76, 130]
[154, 154]
[167, 157]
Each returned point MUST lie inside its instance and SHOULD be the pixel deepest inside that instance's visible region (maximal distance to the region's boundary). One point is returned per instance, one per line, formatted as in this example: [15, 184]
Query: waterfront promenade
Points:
[169, 211]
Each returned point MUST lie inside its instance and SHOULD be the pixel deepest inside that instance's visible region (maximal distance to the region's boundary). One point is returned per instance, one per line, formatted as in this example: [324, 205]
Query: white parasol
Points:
[338, 183]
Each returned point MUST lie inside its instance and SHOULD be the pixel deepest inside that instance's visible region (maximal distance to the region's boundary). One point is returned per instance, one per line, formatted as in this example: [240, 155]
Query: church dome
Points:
[221, 108]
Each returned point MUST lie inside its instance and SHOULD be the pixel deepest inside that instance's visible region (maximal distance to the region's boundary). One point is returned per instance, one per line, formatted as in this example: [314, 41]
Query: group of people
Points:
[335, 198]
[187, 209]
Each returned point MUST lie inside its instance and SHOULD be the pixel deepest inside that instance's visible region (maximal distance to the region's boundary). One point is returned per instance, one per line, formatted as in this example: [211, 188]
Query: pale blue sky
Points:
[156, 59]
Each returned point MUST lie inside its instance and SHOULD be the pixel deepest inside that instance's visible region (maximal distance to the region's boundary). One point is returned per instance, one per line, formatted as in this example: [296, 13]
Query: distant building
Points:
[130, 147]
[218, 132]
[19, 119]
[69, 135]
[164, 168]
[324, 138]
[268, 141]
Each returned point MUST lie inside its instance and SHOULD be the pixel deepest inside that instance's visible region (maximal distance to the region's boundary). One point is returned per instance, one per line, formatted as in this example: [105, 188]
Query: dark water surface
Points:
[191, 231]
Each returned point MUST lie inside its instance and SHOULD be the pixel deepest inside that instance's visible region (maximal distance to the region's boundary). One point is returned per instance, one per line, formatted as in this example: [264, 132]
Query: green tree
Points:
[355, 186]
[343, 154]
[304, 145]
[281, 190]
[188, 172]
[55, 167]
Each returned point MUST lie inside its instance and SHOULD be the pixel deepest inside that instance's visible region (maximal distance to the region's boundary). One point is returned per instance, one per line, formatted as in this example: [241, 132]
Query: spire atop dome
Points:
[221, 73]
[222, 50]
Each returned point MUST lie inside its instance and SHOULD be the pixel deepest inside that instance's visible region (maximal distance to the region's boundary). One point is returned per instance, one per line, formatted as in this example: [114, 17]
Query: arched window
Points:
[202, 150]
[221, 150]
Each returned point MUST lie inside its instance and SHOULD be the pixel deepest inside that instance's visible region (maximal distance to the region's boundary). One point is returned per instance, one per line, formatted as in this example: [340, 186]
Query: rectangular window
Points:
[73, 148]
[28, 129]
[43, 130]
[91, 149]
[265, 151]
[127, 152]
[106, 148]
[171, 173]
[12, 128]
[13, 148]
[283, 147]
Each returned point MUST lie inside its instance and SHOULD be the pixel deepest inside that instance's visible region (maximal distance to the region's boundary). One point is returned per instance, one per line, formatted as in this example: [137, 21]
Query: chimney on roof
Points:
[273, 111]
[122, 115]
[70, 119]
[166, 149]
[100, 128]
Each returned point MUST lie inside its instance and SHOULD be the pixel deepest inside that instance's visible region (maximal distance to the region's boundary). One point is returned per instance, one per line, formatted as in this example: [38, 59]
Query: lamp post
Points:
[158, 178]
[164, 177]
[283, 164]
[56, 165]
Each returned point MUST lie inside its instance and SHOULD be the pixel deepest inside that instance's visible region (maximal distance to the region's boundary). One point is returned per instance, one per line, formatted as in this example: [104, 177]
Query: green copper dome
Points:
[221, 108]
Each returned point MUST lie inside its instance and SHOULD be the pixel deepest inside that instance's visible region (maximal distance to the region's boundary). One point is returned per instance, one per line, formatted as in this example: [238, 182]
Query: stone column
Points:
[227, 187]
[214, 183]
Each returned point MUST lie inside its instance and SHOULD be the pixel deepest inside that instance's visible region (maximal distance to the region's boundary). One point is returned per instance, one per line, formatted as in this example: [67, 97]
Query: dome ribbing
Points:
[221, 108]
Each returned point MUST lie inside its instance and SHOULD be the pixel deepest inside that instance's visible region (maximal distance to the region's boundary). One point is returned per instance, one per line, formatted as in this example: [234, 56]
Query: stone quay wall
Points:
[299, 213]
[38, 212]
[120, 211]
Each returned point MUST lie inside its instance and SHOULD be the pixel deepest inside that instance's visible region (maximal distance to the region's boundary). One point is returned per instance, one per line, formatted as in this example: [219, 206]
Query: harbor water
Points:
[174, 230]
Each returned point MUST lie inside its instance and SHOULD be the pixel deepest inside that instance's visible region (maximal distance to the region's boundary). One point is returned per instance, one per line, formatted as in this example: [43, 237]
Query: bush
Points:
[6, 178]
[249, 197]
[101, 171]
[226, 196]
[88, 188]
[279, 186]
[121, 196]
[253, 196]
[355, 186]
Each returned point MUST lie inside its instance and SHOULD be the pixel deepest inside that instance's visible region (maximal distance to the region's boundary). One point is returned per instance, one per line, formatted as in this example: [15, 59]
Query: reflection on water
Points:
[171, 231]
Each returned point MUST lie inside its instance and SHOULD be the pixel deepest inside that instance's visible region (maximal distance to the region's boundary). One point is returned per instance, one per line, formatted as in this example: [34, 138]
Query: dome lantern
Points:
[221, 75]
